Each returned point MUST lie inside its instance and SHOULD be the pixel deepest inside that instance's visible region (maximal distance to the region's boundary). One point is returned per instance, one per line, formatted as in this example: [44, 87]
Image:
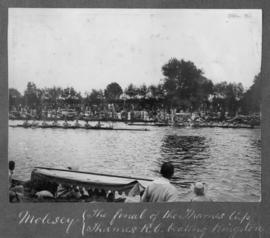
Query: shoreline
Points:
[145, 123]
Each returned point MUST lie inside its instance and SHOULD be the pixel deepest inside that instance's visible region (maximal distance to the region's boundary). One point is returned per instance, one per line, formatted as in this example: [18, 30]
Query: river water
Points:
[227, 160]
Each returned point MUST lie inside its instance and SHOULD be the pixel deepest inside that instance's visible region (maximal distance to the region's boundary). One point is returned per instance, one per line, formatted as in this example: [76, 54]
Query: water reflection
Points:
[187, 153]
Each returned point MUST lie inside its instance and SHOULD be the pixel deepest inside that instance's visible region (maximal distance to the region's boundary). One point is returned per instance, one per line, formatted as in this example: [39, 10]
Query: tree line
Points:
[183, 87]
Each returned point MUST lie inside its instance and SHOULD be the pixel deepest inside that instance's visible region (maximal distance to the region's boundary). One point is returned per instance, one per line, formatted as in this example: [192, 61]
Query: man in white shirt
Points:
[161, 190]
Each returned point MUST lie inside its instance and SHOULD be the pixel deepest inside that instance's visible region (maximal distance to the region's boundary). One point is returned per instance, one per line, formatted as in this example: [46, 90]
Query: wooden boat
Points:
[160, 124]
[97, 186]
[81, 127]
[140, 124]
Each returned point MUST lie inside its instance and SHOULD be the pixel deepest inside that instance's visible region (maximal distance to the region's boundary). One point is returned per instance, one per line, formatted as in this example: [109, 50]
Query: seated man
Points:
[55, 123]
[11, 167]
[77, 124]
[66, 124]
[15, 191]
[34, 123]
[44, 123]
[98, 124]
[87, 125]
[26, 123]
[161, 190]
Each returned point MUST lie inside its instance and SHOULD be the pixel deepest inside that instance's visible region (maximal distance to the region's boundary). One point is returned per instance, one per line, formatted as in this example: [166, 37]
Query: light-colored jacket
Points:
[160, 190]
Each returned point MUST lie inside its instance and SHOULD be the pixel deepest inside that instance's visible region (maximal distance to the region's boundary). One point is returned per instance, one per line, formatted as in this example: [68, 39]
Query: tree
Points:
[234, 93]
[220, 89]
[14, 93]
[142, 90]
[181, 83]
[201, 93]
[71, 96]
[131, 90]
[51, 95]
[95, 97]
[32, 95]
[156, 92]
[152, 90]
[227, 97]
[15, 97]
[251, 101]
[113, 91]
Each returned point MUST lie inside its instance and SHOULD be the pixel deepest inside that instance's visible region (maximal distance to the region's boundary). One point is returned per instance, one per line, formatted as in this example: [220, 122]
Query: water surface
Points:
[227, 160]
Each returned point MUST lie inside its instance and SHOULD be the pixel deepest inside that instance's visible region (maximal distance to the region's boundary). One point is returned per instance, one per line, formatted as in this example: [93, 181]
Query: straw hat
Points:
[199, 185]
[199, 188]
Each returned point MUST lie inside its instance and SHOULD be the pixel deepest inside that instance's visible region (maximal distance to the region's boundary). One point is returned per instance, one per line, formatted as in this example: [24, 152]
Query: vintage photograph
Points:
[134, 105]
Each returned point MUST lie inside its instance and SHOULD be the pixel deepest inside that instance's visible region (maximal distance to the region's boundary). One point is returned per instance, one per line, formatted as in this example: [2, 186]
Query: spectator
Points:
[161, 190]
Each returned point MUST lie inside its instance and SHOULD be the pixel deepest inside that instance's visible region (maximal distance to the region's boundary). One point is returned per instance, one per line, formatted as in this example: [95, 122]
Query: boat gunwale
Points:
[93, 173]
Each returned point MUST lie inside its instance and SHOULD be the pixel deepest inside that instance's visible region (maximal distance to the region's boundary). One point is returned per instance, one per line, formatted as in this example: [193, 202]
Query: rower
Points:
[26, 123]
[34, 123]
[55, 123]
[77, 124]
[87, 125]
[44, 123]
[98, 124]
[66, 124]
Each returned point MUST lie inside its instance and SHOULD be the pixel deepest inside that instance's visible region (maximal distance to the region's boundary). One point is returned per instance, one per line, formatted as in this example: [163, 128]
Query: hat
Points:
[199, 185]
[199, 188]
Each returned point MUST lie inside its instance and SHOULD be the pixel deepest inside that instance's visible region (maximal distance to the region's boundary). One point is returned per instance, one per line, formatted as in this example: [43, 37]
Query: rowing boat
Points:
[97, 186]
[80, 127]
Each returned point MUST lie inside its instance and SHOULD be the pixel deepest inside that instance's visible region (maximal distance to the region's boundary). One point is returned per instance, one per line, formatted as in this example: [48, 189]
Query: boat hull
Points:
[41, 176]
[76, 127]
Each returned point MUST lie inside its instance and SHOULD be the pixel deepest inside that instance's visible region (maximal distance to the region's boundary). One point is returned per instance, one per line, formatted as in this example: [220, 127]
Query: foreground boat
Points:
[60, 185]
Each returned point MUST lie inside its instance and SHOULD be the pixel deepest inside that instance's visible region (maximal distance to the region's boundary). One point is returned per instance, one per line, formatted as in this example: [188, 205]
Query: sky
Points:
[90, 48]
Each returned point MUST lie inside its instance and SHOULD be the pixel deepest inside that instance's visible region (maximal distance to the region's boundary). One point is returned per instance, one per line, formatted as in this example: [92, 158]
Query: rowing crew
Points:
[56, 124]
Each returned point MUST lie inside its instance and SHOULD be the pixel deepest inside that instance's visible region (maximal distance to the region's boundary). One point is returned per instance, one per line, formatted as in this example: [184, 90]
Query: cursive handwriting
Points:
[183, 223]
[25, 217]
[120, 215]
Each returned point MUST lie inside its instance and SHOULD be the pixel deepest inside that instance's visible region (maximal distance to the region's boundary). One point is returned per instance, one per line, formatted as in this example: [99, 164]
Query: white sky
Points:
[89, 48]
